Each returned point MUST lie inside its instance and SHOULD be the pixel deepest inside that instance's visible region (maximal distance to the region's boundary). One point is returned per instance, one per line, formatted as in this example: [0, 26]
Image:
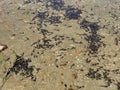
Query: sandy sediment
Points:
[60, 44]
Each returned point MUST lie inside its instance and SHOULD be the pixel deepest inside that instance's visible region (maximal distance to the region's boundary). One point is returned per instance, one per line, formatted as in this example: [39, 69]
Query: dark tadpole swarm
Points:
[41, 15]
[45, 32]
[94, 39]
[94, 74]
[54, 19]
[32, 1]
[21, 66]
[89, 26]
[72, 13]
[118, 86]
[95, 43]
[57, 4]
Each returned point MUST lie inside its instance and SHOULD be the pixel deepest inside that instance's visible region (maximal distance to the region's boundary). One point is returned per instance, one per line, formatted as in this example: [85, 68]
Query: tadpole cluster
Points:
[21, 67]
[32, 1]
[95, 43]
[49, 40]
[118, 85]
[93, 39]
[54, 19]
[56, 4]
[58, 39]
[101, 73]
[93, 27]
[117, 40]
[116, 71]
[94, 74]
[43, 44]
[72, 13]
[41, 15]
[45, 32]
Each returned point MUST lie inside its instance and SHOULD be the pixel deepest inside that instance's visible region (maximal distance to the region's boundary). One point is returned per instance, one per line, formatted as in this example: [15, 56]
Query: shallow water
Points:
[60, 44]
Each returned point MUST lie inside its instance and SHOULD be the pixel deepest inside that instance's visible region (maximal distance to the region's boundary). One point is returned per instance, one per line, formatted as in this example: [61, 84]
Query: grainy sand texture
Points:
[60, 44]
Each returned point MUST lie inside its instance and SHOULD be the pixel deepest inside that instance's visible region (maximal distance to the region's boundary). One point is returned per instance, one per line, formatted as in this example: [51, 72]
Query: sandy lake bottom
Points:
[60, 44]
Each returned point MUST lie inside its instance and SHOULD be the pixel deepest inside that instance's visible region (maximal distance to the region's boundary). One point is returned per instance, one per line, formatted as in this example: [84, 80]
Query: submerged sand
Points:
[73, 54]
